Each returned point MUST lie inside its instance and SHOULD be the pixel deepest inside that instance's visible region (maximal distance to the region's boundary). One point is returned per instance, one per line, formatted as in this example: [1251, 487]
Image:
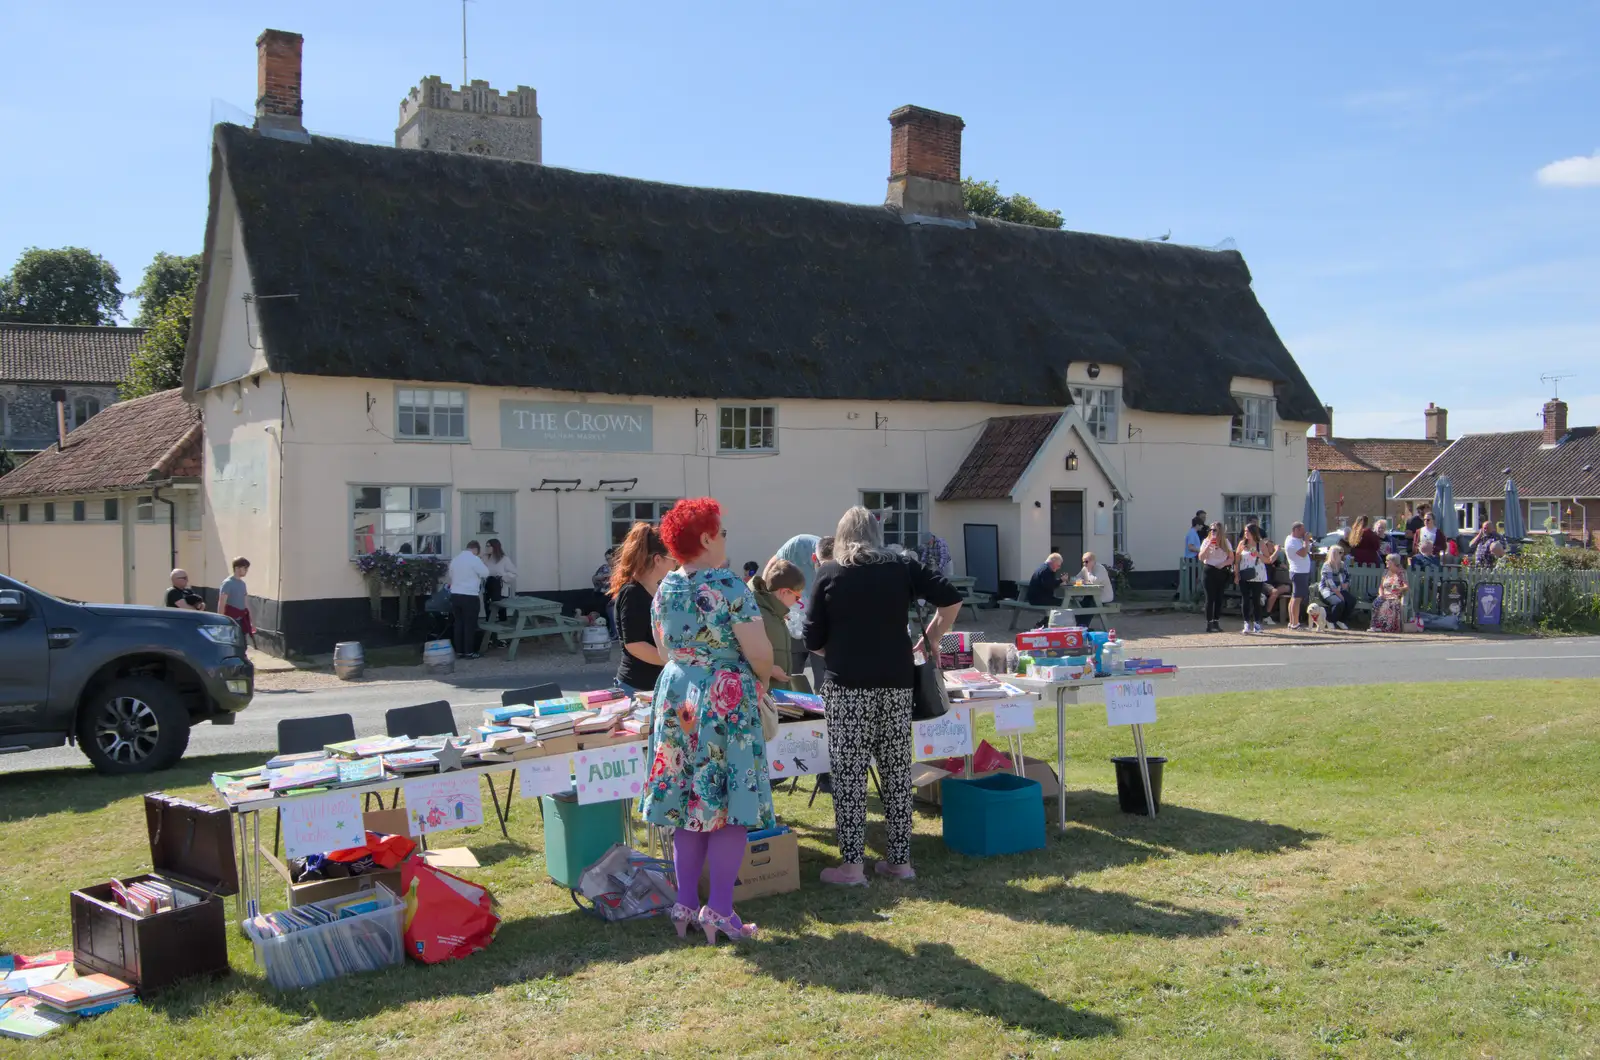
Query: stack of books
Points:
[368, 746]
[87, 995]
[794, 705]
[408, 762]
[975, 684]
[285, 761]
[546, 728]
[302, 776]
[18, 981]
[507, 715]
[150, 896]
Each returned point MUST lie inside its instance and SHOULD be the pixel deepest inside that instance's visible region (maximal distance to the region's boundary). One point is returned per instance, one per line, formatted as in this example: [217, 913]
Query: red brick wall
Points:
[925, 143]
[278, 73]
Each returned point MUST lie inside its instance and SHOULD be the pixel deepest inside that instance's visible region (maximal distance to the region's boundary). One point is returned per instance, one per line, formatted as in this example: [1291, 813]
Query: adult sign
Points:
[606, 774]
[577, 426]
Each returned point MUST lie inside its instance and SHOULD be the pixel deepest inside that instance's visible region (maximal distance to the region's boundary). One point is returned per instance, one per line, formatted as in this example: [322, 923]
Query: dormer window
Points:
[1098, 405]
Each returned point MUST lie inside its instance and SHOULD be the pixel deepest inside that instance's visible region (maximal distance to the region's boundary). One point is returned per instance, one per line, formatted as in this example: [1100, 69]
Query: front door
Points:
[1066, 527]
[486, 514]
[24, 661]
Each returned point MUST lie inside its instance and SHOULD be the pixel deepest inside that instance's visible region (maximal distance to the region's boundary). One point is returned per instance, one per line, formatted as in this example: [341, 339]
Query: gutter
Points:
[172, 522]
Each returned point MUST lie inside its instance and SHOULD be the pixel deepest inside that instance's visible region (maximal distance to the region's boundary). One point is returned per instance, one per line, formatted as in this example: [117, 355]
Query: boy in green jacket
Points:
[776, 590]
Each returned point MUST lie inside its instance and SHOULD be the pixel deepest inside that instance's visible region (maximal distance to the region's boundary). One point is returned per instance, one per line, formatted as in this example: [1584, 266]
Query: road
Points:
[1262, 668]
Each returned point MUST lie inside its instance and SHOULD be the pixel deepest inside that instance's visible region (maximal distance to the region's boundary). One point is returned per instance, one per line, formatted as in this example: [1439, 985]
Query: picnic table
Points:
[531, 616]
[1072, 592]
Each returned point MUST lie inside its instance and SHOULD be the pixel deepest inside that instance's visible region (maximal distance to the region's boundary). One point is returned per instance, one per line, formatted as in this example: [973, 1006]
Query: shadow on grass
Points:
[34, 793]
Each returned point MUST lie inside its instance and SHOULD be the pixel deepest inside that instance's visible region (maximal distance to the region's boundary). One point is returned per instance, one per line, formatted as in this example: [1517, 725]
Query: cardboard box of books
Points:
[771, 866]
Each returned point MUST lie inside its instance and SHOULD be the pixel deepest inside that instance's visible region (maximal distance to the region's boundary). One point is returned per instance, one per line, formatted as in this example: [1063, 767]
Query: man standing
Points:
[1414, 524]
[181, 596]
[466, 576]
[1299, 552]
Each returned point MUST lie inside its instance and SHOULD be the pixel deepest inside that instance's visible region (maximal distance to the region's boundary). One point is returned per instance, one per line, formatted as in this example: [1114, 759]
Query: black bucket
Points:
[1130, 789]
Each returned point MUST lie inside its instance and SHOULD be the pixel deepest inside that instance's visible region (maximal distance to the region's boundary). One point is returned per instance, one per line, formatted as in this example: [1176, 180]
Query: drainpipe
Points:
[1580, 504]
[172, 523]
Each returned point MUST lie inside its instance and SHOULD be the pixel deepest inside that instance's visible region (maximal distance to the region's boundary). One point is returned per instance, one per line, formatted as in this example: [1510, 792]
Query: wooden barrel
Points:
[439, 657]
[596, 643]
[349, 661]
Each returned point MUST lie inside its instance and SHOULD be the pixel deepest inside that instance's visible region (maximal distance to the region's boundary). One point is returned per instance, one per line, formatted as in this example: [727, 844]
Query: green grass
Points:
[1376, 871]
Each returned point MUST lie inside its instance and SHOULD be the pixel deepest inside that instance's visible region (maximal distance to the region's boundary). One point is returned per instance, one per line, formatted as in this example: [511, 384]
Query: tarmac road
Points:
[1346, 659]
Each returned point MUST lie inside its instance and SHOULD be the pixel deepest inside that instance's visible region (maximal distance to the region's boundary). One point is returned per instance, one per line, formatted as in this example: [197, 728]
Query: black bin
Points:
[1130, 789]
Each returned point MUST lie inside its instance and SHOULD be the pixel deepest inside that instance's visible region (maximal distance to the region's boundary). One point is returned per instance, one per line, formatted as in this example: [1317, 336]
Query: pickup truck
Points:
[124, 683]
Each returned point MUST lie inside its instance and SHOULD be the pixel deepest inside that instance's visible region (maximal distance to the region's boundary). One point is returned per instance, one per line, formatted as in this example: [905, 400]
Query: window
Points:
[1253, 426]
[1388, 487]
[624, 513]
[22, 513]
[1119, 527]
[145, 510]
[1544, 515]
[82, 409]
[1099, 407]
[431, 415]
[1241, 508]
[111, 514]
[747, 428]
[80, 511]
[902, 515]
[2, 513]
[49, 511]
[411, 520]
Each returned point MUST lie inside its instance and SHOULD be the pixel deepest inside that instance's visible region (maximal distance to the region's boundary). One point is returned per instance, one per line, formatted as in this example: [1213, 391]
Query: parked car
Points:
[124, 683]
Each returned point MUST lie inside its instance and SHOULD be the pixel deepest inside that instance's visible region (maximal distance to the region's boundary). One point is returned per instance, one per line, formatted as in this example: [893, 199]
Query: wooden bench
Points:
[1021, 607]
[532, 617]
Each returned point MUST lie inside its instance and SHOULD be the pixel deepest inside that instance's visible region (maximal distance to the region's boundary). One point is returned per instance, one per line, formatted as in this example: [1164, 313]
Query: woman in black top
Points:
[856, 619]
[640, 564]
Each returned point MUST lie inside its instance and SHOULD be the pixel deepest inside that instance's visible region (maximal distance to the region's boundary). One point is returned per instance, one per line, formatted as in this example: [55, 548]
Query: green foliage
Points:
[1565, 605]
[66, 286]
[1549, 556]
[165, 278]
[158, 362]
[983, 199]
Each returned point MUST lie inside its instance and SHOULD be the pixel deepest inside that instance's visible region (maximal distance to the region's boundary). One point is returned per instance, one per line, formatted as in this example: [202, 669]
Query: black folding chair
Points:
[424, 719]
[299, 735]
[533, 694]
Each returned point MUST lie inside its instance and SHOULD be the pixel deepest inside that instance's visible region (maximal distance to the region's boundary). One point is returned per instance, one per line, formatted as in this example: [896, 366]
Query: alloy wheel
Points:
[126, 730]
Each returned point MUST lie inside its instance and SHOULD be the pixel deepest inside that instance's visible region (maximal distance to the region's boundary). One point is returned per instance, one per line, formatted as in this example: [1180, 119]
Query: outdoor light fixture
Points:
[1072, 460]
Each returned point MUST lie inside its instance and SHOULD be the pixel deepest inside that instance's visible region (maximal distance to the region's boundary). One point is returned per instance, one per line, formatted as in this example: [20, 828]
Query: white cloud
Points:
[1580, 171]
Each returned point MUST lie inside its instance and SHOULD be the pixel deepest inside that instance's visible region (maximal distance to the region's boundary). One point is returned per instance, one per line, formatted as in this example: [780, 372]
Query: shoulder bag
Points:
[927, 688]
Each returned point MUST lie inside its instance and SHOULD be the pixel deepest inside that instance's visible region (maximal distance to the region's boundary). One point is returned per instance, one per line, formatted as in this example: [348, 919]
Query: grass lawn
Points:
[1380, 871]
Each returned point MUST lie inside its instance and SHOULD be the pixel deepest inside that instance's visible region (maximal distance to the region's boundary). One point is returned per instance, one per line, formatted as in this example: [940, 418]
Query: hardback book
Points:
[361, 771]
[25, 979]
[69, 995]
[368, 746]
[31, 1021]
[285, 761]
[412, 762]
[601, 696]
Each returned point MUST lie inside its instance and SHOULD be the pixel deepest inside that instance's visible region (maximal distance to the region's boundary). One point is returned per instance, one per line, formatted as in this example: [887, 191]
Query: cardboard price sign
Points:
[1130, 702]
[947, 736]
[606, 774]
[316, 824]
[545, 776]
[1013, 717]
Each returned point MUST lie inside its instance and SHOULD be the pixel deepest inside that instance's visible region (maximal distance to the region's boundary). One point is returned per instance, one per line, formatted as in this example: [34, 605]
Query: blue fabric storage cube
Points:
[998, 814]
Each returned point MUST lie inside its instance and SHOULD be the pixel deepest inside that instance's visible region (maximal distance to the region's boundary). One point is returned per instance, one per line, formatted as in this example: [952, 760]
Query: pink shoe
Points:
[847, 875]
[683, 917]
[899, 872]
[730, 926]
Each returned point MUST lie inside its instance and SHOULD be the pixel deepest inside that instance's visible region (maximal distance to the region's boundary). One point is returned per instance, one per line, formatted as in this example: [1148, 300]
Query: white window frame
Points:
[1240, 508]
[1119, 527]
[74, 421]
[1388, 487]
[894, 531]
[144, 509]
[441, 401]
[1548, 510]
[385, 536]
[1101, 408]
[747, 436]
[1252, 428]
[620, 524]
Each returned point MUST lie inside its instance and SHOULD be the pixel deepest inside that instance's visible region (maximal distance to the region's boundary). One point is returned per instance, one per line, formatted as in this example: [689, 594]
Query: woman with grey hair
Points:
[857, 618]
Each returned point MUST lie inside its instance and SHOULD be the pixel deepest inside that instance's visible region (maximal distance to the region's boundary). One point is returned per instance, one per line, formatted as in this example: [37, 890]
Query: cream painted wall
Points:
[231, 338]
[240, 483]
[86, 561]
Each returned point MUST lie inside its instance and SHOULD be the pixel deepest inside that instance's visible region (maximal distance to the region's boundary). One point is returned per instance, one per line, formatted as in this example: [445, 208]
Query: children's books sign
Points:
[545, 776]
[1014, 717]
[800, 749]
[946, 736]
[316, 824]
[606, 774]
[1130, 702]
[443, 802]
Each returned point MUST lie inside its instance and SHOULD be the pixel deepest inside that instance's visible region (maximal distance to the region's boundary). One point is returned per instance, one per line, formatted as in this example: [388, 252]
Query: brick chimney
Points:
[1436, 423]
[925, 164]
[1555, 421]
[1325, 430]
[278, 103]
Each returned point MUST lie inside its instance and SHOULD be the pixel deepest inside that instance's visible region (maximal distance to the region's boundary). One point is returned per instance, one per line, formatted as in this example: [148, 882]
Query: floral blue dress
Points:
[708, 760]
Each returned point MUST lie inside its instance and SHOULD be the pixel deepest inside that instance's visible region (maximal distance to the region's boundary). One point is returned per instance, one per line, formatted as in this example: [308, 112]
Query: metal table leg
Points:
[494, 795]
[1061, 755]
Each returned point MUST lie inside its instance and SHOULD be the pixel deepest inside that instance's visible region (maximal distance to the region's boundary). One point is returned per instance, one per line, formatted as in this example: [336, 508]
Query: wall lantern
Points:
[1072, 460]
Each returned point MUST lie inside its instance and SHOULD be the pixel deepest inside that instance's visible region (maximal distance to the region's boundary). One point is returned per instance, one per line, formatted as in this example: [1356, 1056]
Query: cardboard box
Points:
[318, 890]
[1070, 638]
[955, 660]
[926, 779]
[771, 866]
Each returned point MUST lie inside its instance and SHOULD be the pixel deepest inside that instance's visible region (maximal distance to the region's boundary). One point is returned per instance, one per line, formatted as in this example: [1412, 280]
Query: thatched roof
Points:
[437, 267]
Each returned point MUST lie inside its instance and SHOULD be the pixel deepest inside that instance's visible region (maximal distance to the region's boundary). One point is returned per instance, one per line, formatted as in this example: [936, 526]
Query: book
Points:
[306, 774]
[39, 960]
[970, 678]
[544, 728]
[32, 1021]
[412, 762]
[503, 715]
[483, 732]
[361, 771]
[368, 746]
[808, 703]
[23, 980]
[284, 761]
[565, 705]
[601, 696]
[69, 995]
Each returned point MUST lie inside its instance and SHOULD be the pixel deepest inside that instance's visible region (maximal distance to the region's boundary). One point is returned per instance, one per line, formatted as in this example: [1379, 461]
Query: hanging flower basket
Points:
[408, 576]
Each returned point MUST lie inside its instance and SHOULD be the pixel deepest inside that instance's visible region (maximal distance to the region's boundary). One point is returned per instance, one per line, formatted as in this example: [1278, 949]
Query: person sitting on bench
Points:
[1045, 584]
[1093, 573]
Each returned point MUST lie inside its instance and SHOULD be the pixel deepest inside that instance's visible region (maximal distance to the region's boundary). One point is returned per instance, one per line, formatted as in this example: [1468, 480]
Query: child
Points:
[236, 598]
[776, 591]
[750, 570]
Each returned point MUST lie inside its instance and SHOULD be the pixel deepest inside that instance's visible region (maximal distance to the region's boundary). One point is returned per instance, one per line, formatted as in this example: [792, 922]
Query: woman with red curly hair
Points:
[708, 774]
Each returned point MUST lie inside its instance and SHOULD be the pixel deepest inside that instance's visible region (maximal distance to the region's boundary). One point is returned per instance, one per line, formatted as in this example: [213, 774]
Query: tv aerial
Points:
[1555, 383]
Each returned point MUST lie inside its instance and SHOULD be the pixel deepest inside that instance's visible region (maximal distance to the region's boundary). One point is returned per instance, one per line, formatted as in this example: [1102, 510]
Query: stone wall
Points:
[29, 418]
[475, 120]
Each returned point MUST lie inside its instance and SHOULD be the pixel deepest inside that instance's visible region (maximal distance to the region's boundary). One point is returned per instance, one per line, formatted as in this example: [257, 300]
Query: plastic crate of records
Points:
[313, 943]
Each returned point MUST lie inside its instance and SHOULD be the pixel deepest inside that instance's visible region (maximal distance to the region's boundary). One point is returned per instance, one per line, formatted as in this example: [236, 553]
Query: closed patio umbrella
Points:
[1444, 508]
[1516, 529]
[1316, 512]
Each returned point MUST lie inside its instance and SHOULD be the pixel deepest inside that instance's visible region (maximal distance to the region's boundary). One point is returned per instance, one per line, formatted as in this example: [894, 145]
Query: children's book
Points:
[31, 1021]
[283, 761]
[502, 715]
[25, 979]
[368, 746]
[412, 762]
[565, 705]
[70, 995]
[360, 771]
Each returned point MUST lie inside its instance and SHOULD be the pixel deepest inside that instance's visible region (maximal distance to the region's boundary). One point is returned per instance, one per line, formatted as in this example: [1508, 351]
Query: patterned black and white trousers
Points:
[866, 724]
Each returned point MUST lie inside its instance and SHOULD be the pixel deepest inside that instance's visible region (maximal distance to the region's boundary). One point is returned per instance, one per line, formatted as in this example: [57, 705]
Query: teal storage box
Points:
[575, 836]
[998, 814]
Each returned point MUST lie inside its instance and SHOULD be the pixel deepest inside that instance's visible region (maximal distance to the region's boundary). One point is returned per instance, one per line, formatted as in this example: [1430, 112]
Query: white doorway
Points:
[486, 514]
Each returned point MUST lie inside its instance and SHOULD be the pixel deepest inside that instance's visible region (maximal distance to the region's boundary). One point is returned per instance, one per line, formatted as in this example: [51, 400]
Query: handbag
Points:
[927, 689]
[769, 717]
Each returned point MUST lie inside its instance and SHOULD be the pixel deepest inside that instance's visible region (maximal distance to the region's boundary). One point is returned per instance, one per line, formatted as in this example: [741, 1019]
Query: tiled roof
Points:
[66, 353]
[1479, 464]
[1323, 455]
[132, 442]
[999, 457]
[1392, 454]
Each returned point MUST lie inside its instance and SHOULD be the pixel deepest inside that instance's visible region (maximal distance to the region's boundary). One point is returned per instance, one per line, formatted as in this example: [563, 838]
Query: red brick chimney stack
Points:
[1436, 423]
[1325, 430]
[1555, 421]
[278, 102]
[925, 164]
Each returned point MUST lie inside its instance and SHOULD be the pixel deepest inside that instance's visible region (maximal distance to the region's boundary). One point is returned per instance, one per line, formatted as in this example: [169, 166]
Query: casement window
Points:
[626, 512]
[747, 429]
[112, 513]
[1098, 405]
[1544, 515]
[80, 511]
[1241, 508]
[49, 511]
[1119, 526]
[1388, 487]
[430, 415]
[903, 515]
[22, 513]
[408, 520]
[82, 409]
[1253, 426]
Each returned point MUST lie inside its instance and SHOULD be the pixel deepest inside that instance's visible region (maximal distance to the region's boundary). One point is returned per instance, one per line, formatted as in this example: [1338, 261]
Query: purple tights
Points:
[723, 849]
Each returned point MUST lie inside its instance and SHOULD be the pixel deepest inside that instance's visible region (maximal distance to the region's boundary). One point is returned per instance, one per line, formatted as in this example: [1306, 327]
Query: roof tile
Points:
[132, 442]
[66, 353]
[1478, 466]
[999, 457]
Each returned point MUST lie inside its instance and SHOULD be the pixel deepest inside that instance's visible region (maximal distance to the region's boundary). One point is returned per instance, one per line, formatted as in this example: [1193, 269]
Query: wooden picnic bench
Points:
[531, 616]
[1021, 607]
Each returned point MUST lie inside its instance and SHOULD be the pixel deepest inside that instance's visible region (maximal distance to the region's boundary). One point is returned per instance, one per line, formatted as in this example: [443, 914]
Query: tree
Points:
[168, 276]
[66, 286]
[158, 362]
[983, 199]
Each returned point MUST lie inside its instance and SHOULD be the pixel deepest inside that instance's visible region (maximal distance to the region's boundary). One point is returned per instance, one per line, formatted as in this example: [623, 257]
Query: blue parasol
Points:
[1316, 513]
[1516, 529]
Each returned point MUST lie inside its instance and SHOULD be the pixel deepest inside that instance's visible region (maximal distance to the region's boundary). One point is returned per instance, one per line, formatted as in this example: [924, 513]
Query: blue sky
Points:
[1416, 187]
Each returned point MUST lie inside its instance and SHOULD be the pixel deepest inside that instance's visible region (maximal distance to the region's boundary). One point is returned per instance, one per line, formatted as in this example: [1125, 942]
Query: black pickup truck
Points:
[125, 683]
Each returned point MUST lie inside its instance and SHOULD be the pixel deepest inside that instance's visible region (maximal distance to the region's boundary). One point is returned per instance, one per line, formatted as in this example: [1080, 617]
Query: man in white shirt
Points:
[465, 579]
[1298, 549]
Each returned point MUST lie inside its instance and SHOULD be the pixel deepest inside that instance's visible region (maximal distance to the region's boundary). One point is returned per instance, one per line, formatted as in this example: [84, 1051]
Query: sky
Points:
[1415, 187]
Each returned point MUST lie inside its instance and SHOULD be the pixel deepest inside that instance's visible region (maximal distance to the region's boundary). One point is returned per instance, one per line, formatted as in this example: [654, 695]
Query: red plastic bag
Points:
[387, 851]
[984, 760]
[446, 916]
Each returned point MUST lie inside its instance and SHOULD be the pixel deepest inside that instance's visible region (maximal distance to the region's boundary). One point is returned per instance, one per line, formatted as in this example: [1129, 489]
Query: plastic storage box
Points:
[363, 943]
[998, 814]
[575, 836]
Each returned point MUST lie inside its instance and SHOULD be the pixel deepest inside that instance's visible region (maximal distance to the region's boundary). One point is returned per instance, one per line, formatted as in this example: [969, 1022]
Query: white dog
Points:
[1317, 617]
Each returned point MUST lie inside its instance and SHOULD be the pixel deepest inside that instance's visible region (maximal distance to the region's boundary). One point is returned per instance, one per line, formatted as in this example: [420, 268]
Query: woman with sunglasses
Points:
[1428, 538]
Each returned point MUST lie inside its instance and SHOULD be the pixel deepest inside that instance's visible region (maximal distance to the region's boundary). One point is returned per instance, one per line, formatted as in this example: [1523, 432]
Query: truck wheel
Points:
[133, 725]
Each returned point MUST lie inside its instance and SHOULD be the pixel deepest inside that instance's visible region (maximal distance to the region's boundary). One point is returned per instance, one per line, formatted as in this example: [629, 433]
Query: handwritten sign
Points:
[606, 774]
[443, 802]
[1130, 702]
[316, 824]
[800, 749]
[545, 776]
[1013, 717]
[947, 736]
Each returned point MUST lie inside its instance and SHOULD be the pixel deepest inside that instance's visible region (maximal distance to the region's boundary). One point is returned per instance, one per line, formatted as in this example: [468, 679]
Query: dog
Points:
[1317, 617]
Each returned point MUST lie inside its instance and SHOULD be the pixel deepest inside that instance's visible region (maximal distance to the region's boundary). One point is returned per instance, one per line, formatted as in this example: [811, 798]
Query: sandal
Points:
[731, 926]
[683, 917]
